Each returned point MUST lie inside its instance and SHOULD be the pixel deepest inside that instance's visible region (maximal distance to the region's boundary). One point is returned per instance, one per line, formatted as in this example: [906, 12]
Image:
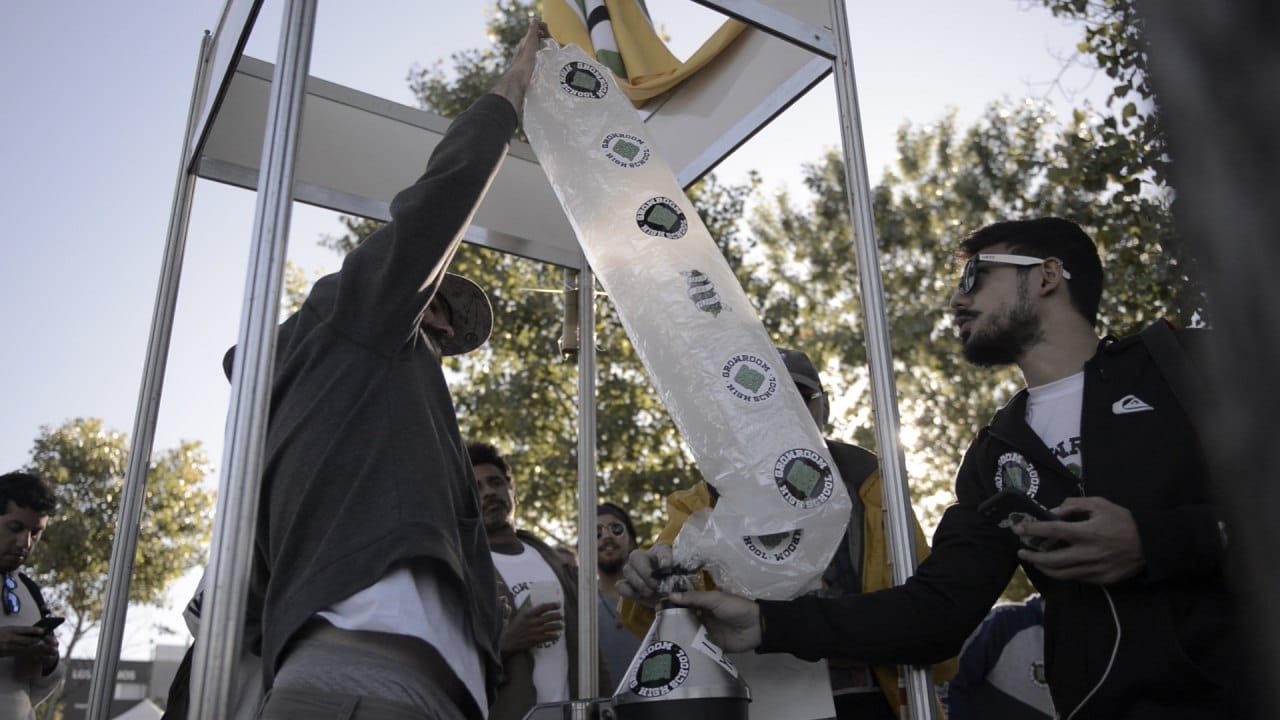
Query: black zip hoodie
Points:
[365, 469]
[1175, 654]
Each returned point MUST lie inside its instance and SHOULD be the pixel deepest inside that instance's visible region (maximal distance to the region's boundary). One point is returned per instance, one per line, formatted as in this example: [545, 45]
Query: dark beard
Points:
[611, 567]
[1008, 337]
[498, 523]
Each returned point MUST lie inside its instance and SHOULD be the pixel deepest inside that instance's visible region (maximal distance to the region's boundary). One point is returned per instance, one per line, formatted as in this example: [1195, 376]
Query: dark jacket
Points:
[1176, 651]
[516, 692]
[364, 468]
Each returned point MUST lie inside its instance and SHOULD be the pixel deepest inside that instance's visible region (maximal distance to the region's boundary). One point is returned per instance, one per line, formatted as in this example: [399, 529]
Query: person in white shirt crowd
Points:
[29, 667]
[540, 640]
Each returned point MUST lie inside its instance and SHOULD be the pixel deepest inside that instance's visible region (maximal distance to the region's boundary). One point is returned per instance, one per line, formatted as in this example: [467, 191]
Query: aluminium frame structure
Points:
[789, 46]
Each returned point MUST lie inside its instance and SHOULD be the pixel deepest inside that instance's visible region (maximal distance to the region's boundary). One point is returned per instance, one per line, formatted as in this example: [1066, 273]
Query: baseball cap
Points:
[802, 369]
[469, 312]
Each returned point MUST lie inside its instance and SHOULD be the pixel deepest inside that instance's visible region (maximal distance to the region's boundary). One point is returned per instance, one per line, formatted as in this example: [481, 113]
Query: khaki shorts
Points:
[286, 704]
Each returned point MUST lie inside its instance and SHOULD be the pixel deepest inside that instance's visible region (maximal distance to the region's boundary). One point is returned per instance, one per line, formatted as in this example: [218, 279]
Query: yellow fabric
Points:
[652, 68]
[877, 572]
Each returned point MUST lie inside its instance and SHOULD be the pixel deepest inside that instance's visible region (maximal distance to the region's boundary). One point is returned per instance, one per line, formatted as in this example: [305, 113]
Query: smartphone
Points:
[1011, 506]
[48, 623]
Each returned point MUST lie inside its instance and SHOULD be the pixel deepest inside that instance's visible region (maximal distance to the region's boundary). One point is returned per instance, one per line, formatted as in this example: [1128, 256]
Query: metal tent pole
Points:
[225, 599]
[125, 546]
[588, 683]
[920, 702]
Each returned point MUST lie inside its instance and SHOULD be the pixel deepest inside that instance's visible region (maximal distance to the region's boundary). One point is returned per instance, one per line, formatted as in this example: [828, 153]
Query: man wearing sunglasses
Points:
[615, 539]
[29, 671]
[1139, 620]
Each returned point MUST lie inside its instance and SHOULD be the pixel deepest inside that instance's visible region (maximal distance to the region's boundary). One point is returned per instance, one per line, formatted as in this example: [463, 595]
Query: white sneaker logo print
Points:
[1130, 404]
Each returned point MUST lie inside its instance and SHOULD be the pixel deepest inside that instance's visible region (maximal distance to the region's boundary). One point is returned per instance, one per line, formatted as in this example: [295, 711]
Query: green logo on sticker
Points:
[773, 540]
[663, 667]
[656, 668]
[583, 80]
[748, 378]
[662, 217]
[626, 149]
[803, 478]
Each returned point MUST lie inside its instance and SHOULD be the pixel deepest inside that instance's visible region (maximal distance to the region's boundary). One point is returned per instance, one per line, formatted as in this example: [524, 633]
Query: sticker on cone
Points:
[664, 668]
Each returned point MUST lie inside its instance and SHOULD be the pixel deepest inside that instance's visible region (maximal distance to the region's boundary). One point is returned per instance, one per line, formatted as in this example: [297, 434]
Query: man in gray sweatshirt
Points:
[374, 586]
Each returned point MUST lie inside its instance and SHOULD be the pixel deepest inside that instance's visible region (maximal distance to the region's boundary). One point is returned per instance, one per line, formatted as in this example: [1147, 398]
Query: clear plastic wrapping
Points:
[782, 508]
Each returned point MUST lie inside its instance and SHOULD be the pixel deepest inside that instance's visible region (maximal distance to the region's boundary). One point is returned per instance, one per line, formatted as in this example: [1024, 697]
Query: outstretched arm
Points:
[389, 278]
[515, 81]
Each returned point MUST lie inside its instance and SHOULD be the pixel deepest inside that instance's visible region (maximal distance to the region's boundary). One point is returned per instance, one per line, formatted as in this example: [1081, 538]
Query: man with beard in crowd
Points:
[1139, 619]
[615, 539]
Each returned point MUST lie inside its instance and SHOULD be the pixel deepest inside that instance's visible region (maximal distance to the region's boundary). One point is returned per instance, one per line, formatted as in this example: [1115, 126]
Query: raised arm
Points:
[387, 281]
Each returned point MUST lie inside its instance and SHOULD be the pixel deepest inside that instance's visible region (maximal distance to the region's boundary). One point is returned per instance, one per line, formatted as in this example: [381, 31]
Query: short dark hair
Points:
[486, 454]
[1049, 237]
[608, 508]
[27, 491]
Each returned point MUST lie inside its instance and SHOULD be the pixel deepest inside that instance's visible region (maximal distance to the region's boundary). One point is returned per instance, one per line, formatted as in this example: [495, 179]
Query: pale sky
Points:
[95, 97]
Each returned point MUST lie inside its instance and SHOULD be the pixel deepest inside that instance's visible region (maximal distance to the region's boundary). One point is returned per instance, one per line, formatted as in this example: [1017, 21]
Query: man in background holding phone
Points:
[29, 671]
[1139, 620]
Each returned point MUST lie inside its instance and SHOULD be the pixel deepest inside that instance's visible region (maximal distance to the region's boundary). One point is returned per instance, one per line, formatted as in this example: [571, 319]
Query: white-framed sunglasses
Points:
[969, 278]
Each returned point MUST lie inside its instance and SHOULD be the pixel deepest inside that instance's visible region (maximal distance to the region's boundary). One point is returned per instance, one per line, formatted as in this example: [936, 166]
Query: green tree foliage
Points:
[1131, 144]
[1127, 144]
[86, 463]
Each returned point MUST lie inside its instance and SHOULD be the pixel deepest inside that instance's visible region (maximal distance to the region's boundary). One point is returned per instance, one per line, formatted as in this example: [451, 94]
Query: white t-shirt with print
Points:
[1053, 412]
[533, 582]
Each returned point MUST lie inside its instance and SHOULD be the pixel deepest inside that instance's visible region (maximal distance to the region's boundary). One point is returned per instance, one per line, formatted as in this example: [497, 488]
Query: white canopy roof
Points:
[357, 150]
